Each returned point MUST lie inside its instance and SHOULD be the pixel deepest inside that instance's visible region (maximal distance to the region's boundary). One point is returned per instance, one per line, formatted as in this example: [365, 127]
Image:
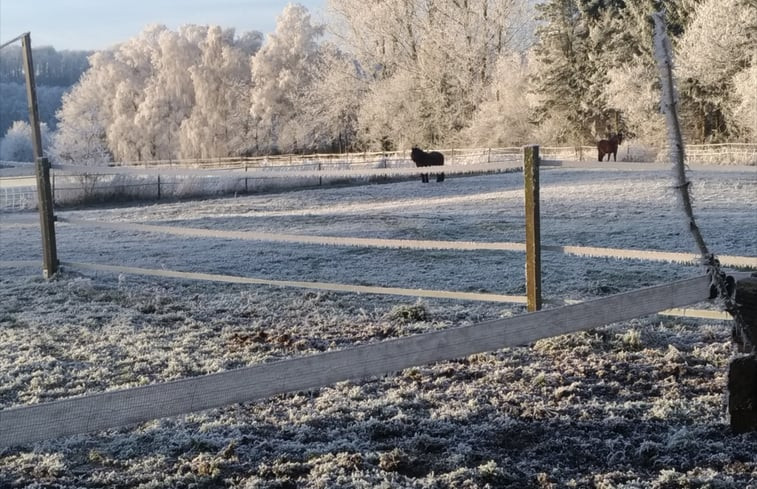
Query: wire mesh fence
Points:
[18, 185]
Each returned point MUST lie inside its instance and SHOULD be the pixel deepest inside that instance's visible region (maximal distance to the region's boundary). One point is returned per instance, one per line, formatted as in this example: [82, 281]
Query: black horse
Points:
[434, 158]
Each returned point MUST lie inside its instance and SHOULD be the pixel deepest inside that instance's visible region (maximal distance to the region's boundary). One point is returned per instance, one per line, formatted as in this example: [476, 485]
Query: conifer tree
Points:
[568, 79]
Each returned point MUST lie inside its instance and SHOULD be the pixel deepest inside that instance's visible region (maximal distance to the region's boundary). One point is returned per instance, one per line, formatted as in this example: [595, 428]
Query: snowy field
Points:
[631, 405]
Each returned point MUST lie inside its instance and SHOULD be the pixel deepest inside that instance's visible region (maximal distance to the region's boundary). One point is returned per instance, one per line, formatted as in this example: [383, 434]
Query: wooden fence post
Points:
[44, 191]
[742, 373]
[46, 219]
[533, 227]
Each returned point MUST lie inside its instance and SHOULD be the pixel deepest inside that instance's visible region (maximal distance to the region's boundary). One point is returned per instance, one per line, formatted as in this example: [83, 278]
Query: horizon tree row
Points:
[414, 72]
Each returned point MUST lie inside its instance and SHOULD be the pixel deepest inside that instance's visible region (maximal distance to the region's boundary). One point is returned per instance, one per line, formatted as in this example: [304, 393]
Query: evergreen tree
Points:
[568, 81]
[596, 70]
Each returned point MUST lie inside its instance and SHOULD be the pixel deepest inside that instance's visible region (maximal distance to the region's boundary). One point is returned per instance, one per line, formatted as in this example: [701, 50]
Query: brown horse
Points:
[609, 147]
[434, 158]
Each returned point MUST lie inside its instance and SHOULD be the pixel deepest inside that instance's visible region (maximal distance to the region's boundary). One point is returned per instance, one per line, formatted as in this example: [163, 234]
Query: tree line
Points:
[390, 74]
[55, 72]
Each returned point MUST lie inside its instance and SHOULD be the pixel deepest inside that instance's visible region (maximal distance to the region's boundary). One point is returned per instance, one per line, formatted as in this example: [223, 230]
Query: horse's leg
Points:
[440, 177]
[600, 155]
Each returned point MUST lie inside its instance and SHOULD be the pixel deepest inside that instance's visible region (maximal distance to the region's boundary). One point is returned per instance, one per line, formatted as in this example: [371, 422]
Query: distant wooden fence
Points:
[20, 193]
[732, 153]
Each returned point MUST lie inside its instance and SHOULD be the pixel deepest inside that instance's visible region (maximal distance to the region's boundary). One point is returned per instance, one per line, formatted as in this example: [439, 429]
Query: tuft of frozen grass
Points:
[409, 313]
[631, 339]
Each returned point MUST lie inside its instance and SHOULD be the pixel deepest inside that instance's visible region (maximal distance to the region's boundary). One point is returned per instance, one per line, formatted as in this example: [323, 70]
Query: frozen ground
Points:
[632, 405]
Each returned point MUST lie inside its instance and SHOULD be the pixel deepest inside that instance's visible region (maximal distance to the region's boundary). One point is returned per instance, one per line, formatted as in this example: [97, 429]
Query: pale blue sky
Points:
[98, 24]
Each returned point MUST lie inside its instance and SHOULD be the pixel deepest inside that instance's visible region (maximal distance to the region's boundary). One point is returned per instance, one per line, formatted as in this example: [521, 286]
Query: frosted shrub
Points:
[17, 143]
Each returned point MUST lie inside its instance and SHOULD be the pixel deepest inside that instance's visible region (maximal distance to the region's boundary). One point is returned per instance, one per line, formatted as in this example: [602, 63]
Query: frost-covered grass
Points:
[632, 405]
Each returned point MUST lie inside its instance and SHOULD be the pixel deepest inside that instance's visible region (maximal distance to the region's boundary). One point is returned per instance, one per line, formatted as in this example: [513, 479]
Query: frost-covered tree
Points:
[84, 115]
[282, 73]
[428, 64]
[129, 71]
[717, 47]
[390, 118]
[503, 118]
[326, 113]
[168, 94]
[17, 144]
[161, 95]
[219, 124]
[744, 110]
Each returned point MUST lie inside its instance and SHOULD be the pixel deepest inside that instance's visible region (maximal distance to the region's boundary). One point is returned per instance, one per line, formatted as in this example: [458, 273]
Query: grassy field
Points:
[631, 405]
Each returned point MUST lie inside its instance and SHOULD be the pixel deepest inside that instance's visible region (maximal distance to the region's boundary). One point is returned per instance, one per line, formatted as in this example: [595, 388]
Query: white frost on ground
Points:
[632, 405]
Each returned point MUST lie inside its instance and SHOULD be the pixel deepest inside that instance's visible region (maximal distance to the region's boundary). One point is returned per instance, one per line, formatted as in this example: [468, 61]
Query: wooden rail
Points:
[337, 287]
[27, 424]
[744, 151]
[334, 287]
[586, 251]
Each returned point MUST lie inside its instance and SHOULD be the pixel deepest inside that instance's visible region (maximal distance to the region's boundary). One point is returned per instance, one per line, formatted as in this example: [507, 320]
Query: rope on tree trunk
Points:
[721, 285]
